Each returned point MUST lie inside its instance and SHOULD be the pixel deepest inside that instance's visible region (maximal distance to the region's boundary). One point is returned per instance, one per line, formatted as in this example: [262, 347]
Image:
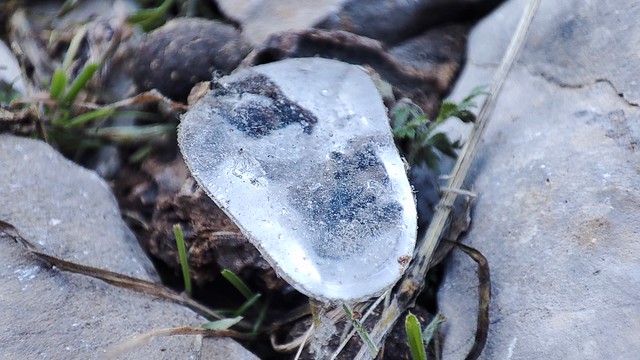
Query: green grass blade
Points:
[89, 116]
[222, 324]
[140, 154]
[247, 304]
[241, 287]
[261, 315]
[80, 82]
[148, 19]
[58, 84]
[414, 337]
[182, 253]
[467, 102]
[237, 283]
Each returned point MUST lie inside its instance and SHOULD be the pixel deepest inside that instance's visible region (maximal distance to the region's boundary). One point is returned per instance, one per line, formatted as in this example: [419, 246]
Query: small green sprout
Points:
[253, 299]
[237, 283]
[58, 84]
[182, 254]
[65, 94]
[414, 337]
[417, 338]
[80, 82]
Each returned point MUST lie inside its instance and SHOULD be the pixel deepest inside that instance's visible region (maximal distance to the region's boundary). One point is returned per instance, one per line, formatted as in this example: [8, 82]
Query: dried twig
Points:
[413, 281]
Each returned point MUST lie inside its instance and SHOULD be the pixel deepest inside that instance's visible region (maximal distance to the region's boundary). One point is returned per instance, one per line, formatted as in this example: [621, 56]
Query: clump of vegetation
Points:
[75, 126]
[234, 315]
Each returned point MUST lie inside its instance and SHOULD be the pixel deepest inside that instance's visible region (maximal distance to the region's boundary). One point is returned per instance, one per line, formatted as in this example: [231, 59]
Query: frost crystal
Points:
[299, 154]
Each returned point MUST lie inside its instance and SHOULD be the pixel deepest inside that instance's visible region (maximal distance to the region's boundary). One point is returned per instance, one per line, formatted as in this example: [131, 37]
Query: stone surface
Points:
[557, 214]
[395, 21]
[262, 18]
[299, 153]
[391, 22]
[425, 81]
[72, 217]
[185, 51]
[10, 73]
[69, 212]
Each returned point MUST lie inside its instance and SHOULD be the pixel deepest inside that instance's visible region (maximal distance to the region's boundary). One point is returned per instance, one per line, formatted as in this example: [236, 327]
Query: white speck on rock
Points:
[27, 274]
[512, 346]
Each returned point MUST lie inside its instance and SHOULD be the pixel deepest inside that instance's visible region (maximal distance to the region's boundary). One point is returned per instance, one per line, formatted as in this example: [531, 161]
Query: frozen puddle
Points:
[299, 154]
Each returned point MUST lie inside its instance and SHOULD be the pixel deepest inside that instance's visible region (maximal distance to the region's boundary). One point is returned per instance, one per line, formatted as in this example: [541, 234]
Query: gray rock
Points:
[10, 73]
[395, 21]
[262, 18]
[69, 212]
[557, 177]
[185, 51]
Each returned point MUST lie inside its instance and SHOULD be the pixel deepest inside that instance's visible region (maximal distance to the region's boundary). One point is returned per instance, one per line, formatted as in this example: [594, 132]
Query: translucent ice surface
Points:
[299, 154]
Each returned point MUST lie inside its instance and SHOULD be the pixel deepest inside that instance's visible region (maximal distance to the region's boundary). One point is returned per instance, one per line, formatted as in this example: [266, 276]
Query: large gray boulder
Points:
[69, 212]
[558, 211]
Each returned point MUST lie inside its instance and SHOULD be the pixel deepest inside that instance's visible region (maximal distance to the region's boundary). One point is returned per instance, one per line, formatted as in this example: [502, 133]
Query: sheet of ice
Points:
[299, 154]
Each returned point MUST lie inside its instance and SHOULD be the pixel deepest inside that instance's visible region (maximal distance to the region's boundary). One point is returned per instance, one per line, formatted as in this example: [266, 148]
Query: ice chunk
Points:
[299, 154]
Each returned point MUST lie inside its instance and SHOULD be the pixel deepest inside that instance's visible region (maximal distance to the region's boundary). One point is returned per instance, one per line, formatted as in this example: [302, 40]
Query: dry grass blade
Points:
[370, 310]
[484, 298]
[151, 96]
[110, 277]
[119, 350]
[412, 282]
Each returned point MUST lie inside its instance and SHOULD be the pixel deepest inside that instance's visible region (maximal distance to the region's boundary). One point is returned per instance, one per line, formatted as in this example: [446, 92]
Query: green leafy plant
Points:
[182, 255]
[417, 136]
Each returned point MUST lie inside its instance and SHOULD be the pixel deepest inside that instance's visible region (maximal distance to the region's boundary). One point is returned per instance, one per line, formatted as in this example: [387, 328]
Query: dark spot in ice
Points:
[366, 158]
[362, 159]
[256, 106]
[347, 213]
